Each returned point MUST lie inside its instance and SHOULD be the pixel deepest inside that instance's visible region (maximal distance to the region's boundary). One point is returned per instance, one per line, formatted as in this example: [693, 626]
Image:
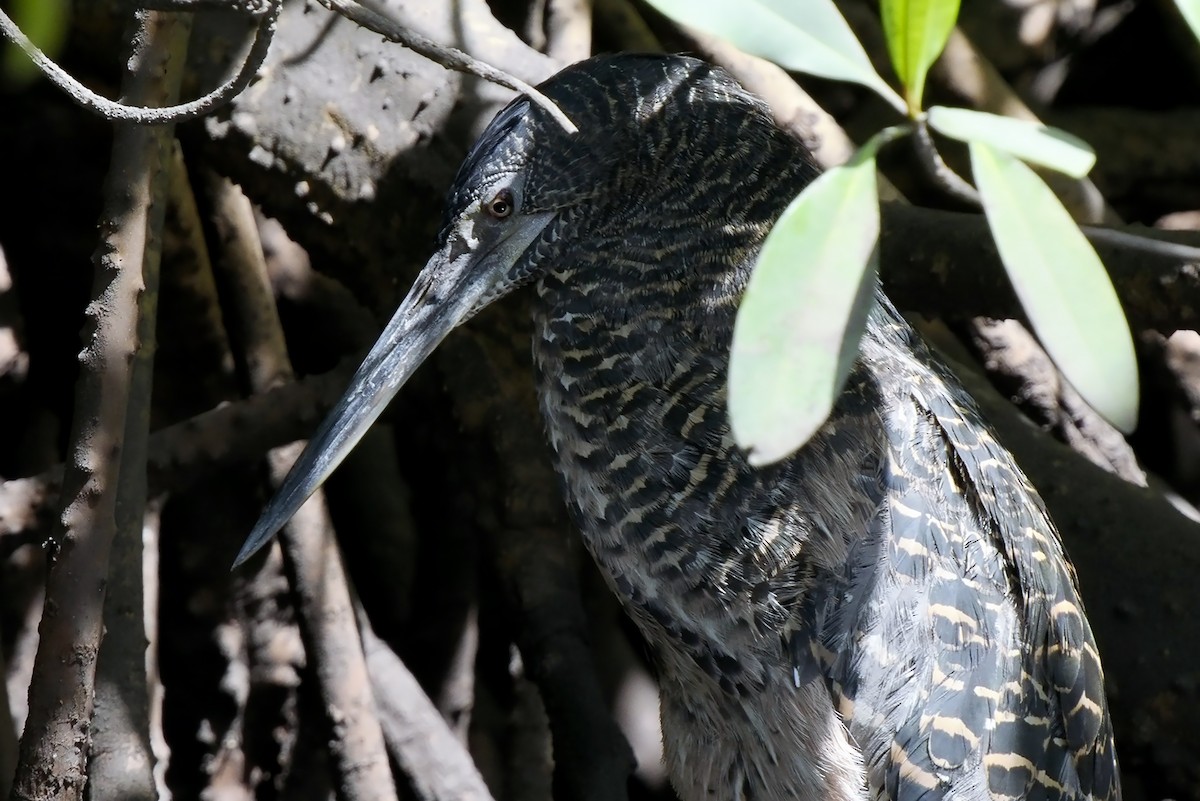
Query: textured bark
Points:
[58, 732]
[121, 763]
[1025, 374]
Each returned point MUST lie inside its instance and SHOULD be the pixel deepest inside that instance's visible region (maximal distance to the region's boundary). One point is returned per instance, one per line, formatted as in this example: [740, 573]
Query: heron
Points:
[886, 614]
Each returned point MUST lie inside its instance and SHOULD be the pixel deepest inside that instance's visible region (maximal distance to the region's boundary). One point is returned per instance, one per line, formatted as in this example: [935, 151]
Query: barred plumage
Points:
[888, 613]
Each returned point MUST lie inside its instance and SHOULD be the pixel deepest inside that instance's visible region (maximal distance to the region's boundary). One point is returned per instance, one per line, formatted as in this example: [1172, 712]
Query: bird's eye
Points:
[501, 205]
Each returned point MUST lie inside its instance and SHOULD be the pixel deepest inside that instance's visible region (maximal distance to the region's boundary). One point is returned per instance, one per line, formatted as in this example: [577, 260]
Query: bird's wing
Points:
[1060, 659]
[968, 642]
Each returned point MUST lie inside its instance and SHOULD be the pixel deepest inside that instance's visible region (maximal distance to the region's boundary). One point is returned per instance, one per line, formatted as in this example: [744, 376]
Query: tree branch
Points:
[937, 170]
[57, 735]
[925, 253]
[417, 737]
[310, 553]
[121, 763]
[181, 454]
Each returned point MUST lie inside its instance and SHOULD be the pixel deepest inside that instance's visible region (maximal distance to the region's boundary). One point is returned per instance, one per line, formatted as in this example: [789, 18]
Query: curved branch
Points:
[145, 115]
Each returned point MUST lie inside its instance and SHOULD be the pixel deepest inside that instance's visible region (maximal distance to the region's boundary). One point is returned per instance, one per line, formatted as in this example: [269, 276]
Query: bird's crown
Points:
[635, 115]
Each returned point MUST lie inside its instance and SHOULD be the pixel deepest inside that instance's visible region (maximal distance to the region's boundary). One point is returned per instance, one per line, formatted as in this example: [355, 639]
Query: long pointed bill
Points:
[454, 282]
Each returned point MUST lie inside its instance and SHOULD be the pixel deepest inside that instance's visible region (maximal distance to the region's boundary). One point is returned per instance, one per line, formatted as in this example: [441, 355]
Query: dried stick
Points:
[57, 733]
[417, 736]
[311, 556]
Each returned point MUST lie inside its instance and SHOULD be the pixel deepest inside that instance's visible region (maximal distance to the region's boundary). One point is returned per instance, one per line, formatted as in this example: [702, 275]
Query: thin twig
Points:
[382, 23]
[146, 115]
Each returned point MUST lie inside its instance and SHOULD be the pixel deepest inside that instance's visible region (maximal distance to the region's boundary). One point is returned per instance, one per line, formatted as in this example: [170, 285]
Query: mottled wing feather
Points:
[1038, 711]
[1062, 658]
[955, 642]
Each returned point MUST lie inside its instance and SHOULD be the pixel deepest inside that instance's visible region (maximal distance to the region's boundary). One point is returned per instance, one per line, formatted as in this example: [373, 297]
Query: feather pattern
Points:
[886, 614]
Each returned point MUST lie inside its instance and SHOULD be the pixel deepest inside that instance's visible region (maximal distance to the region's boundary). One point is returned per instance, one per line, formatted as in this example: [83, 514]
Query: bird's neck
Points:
[679, 235]
[633, 329]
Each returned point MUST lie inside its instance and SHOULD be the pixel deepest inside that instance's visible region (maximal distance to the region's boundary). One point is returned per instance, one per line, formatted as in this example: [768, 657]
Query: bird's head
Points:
[527, 194]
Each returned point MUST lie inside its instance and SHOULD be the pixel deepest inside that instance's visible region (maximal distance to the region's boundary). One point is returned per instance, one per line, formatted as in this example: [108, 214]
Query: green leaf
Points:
[1027, 140]
[805, 309]
[802, 35]
[1061, 284]
[1190, 11]
[46, 23]
[916, 32]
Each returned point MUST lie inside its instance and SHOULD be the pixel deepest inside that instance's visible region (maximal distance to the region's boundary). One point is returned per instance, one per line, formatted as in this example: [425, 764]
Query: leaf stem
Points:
[937, 169]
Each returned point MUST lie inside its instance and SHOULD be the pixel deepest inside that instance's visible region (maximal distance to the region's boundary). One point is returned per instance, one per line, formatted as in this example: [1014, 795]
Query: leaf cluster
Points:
[804, 310]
